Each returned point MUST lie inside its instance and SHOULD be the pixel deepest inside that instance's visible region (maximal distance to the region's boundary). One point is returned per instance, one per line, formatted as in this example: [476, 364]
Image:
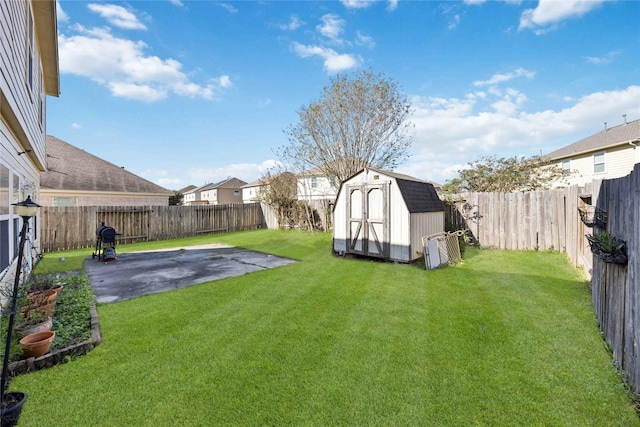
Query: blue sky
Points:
[188, 92]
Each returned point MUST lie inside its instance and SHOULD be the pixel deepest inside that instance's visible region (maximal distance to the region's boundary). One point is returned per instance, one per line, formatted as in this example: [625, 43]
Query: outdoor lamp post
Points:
[26, 210]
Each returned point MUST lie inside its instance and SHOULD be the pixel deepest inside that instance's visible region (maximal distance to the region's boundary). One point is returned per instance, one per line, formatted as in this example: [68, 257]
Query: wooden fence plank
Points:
[75, 227]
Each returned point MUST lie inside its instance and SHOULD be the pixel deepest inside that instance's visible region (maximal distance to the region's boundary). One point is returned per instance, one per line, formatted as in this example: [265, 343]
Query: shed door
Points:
[367, 220]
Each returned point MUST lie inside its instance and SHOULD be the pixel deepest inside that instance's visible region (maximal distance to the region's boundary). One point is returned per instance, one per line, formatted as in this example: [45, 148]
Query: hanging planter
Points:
[592, 216]
[607, 248]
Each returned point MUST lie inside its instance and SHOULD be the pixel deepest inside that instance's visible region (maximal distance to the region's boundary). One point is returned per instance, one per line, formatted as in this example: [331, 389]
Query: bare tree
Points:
[357, 122]
[279, 192]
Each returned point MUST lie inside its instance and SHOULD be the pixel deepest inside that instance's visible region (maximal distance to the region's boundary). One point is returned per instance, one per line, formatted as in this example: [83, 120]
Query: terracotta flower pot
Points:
[42, 297]
[38, 344]
[47, 309]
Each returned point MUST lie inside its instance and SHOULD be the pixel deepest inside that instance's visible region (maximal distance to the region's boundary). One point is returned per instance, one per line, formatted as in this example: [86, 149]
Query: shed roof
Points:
[617, 135]
[418, 195]
[72, 169]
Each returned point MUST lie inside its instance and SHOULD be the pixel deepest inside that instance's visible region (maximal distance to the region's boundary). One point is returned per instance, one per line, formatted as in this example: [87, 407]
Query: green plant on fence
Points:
[605, 242]
[608, 248]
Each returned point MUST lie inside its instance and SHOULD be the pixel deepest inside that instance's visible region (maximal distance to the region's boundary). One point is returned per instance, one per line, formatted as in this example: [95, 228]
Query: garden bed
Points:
[74, 320]
[61, 355]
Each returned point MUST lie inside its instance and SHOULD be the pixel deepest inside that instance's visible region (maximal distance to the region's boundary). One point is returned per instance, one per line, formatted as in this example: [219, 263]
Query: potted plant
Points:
[38, 344]
[36, 323]
[608, 248]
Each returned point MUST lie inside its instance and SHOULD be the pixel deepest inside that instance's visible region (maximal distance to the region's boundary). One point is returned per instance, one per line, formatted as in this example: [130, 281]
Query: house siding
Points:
[320, 189]
[23, 112]
[92, 199]
[619, 162]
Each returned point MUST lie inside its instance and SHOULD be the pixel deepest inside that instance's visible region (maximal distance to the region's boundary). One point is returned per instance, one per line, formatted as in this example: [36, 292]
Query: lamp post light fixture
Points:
[26, 209]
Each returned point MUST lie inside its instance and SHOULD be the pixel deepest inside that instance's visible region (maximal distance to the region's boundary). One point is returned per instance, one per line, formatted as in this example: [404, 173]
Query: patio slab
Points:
[134, 274]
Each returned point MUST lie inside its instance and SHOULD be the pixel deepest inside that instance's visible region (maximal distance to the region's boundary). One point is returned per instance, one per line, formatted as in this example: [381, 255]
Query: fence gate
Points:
[367, 220]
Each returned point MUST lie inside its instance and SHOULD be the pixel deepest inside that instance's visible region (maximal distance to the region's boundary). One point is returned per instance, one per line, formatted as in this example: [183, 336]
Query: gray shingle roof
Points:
[225, 183]
[418, 195]
[70, 168]
[616, 135]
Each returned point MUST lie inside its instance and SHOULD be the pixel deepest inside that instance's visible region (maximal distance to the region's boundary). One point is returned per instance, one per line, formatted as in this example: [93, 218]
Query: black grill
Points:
[105, 243]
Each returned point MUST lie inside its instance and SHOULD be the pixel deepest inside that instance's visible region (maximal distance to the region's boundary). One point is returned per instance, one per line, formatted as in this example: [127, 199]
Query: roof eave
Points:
[593, 150]
[44, 16]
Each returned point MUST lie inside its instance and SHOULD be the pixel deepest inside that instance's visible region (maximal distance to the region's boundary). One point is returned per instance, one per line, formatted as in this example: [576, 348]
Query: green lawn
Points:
[507, 338]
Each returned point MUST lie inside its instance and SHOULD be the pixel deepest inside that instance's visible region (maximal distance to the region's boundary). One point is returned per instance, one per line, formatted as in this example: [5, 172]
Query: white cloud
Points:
[455, 21]
[334, 62]
[364, 40]
[61, 15]
[76, 126]
[357, 4]
[450, 132]
[117, 15]
[228, 7]
[245, 171]
[552, 12]
[332, 27]
[501, 78]
[293, 24]
[122, 66]
[224, 81]
[176, 2]
[603, 59]
[393, 5]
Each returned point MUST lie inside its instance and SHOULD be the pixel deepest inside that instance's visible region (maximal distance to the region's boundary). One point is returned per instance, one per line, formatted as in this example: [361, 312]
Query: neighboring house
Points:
[186, 189]
[77, 178]
[252, 192]
[220, 193]
[611, 153]
[314, 184]
[28, 73]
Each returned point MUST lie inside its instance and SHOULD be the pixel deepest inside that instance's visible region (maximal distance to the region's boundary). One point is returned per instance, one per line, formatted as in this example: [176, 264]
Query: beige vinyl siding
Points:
[20, 105]
[85, 198]
[618, 162]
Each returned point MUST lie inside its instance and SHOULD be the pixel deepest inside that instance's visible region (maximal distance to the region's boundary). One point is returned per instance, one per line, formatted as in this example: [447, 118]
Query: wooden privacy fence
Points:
[549, 220]
[64, 228]
[615, 288]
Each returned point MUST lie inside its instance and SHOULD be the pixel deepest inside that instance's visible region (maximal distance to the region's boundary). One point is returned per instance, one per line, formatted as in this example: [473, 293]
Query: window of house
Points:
[314, 182]
[65, 201]
[566, 164]
[598, 163]
[236, 192]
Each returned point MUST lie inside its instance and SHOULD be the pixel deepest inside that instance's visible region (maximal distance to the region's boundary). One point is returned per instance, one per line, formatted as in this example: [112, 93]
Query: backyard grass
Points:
[507, 338]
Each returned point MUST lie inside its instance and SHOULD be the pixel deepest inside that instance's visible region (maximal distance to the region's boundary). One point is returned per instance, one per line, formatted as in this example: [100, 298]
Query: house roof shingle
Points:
[418, 195]
[612, 136]
[72, 169]
[225, 183]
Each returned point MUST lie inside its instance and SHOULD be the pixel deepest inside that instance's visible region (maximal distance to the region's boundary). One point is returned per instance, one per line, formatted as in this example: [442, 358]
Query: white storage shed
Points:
[385, 215]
